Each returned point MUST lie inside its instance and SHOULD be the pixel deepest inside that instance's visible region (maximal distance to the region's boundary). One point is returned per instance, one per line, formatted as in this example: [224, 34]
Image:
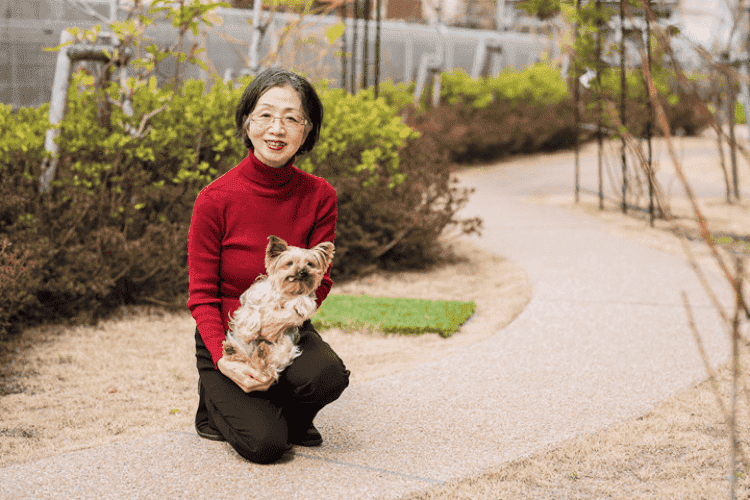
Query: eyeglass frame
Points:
[303, 124]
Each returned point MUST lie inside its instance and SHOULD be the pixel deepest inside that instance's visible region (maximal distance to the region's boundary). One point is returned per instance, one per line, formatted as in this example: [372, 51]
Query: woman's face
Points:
[276, 143]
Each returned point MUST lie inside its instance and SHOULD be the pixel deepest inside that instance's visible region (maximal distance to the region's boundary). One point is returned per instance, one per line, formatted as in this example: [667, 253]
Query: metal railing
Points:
[28, 26]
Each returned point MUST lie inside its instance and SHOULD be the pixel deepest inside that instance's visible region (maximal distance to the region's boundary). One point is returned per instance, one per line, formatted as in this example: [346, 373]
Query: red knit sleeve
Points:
[325, 230]
[204, 252]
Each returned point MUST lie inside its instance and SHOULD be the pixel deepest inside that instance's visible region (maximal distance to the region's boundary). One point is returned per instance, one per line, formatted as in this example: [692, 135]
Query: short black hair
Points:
[275, 77]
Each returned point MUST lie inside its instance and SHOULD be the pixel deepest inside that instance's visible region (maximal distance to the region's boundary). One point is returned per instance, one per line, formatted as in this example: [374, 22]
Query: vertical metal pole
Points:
[732, 97]
[253, 56]
[342, 11]
[122, 70]
[366, 45]
[437, 71]
[377, 48]
[409, 59]
[623, 120]
[577, 114]
[500, 15]
[745, 87]
[721, 116]
[114, 7]
[15, 55]
[649, 124]
[735, 377]
[599, 138]
[355, 19]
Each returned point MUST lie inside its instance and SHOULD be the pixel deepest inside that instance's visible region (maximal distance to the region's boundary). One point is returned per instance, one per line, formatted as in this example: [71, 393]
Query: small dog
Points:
[260, 342]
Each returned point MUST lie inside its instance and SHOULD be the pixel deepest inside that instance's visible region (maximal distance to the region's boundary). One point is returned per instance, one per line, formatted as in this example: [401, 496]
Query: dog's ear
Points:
[325, 251]
[276, 246]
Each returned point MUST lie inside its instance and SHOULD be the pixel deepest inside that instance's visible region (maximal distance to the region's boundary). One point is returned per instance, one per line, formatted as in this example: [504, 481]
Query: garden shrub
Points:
[521, 112]
[679, 106]
[394, 190]
[19, 278]
[539, 84]
[515, 112]
[399, 96]
[21, 142]
[113, 229]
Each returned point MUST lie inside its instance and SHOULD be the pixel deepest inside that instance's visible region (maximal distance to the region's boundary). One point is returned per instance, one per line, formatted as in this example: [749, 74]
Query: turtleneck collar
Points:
[265, 177]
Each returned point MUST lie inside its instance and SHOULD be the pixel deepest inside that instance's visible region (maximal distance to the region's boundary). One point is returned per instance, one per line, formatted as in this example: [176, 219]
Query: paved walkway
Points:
[603, 339]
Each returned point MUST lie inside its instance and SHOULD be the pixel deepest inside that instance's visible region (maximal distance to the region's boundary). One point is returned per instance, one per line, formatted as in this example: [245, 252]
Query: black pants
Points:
[258, 424]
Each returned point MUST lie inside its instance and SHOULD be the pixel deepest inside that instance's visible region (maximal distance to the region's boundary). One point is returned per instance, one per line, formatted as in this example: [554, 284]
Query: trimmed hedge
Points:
[528, 111]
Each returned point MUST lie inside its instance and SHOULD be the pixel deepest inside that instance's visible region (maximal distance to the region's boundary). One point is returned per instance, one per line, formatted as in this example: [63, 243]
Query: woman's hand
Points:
[235, 364]
[244, 375]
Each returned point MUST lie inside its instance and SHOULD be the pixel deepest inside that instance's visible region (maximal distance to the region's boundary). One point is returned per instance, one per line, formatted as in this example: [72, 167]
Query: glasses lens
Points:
[262, 119]
[293, 121]
[266, 119]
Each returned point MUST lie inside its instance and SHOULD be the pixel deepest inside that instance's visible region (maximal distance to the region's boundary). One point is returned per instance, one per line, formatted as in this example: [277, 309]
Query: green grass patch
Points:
[392, 315]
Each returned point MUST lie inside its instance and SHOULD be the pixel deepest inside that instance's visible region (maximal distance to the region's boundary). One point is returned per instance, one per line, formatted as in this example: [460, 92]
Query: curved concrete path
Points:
[603, 339]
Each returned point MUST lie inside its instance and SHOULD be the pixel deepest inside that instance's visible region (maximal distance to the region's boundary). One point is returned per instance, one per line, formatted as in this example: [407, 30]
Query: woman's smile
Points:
[276, 145]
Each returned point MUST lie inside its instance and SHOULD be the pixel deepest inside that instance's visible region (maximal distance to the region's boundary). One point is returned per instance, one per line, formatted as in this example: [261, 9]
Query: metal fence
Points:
[28, 26]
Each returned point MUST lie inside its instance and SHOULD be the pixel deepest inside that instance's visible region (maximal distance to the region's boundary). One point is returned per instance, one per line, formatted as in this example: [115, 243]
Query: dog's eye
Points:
[310, 264]
[289, 264]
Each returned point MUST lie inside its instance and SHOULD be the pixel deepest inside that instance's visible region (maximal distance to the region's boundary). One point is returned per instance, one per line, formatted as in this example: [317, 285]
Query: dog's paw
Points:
[229, 349]
[304, 307]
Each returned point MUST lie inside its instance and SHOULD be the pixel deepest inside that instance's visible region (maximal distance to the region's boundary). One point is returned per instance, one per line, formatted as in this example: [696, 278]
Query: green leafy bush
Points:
[21, 145]
[457, 87]
[113, 229]
[125, 200]
[399, 96]
[679, 106]
[19, 278]
[395, 195]
[539, 84]
[366, 133]
[521, 112]
[515, 112]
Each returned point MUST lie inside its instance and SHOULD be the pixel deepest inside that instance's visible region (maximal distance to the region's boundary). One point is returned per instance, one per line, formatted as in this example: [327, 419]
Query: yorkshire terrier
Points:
[262, 335]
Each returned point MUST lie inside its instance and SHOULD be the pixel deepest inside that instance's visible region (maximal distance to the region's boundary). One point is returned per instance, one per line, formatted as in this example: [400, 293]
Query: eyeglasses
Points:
[265, 119]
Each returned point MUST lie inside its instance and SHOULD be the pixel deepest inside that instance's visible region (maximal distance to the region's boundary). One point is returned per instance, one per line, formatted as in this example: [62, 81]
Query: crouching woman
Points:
[278, 117]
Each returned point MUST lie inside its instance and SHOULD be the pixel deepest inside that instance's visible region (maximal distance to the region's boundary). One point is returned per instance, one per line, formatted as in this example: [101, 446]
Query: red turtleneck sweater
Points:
[232, 219]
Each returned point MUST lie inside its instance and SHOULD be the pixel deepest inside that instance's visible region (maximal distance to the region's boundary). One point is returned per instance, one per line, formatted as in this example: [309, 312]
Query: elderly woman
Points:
[278, 117]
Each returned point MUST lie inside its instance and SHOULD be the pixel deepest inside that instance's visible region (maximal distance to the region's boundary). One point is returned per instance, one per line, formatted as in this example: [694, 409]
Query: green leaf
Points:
[199, 62]
[335, 32]
[152, 49]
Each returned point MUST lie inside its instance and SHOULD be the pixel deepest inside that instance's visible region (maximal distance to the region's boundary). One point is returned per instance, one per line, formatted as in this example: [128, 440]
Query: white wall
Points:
[706, 22]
